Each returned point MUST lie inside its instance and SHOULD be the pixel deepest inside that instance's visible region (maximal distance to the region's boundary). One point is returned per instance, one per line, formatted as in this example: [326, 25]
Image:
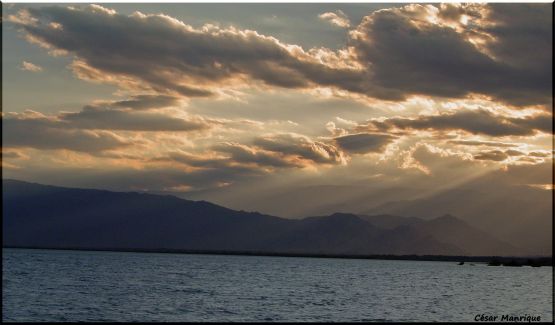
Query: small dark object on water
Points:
[534, 263]
[512, 263]
[494, 263]
[461, 263]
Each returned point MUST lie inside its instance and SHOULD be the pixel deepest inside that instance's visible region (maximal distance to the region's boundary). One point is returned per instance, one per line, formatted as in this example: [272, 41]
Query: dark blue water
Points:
[47, 285]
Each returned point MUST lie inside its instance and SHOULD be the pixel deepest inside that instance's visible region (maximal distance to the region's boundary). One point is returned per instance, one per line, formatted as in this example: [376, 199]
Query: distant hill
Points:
[301, 201]
[48, 216]
[504, 204]
[521, 215]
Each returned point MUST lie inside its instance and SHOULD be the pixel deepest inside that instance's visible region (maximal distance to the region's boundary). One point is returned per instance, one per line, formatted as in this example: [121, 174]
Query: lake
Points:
[50, 285]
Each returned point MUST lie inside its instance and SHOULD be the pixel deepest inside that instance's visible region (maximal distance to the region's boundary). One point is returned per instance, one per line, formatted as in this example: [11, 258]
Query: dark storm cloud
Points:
[408, 53]
[364, 142]
[101, 118]
[525, 36]
[42, 133]
[392, 54]
[471, 121]
[171, 56]
[542, 122]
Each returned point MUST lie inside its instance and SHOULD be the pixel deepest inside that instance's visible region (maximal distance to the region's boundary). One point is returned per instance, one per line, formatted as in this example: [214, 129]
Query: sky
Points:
[233, 103]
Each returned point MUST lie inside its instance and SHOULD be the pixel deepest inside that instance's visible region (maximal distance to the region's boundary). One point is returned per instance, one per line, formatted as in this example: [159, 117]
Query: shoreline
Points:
[501, 260]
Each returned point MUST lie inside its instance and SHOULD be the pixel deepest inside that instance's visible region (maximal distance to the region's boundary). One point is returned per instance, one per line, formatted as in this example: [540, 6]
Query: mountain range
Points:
[508, 209]
[36, 215]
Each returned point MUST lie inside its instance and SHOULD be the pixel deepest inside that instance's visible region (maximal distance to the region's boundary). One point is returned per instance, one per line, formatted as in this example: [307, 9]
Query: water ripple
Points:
[42, 285]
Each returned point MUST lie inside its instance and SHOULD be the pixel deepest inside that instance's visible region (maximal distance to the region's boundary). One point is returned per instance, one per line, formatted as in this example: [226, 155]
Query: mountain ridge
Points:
[45, 215]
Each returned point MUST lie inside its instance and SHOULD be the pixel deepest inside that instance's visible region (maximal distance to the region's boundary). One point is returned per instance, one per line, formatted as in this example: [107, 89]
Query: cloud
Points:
[454, 50]
[482, 143]
[302, 147]
[269, 152]
[227, 163]
[246, 155]
[151, 178]
[512, 152]
[540, 154]
[11, 155]
[147, 102]
[441, 166]
[471, 121]
[19, 130]
[495, 155]
[232, 154]
[337, 18]
[362, 143]
[167, 55]
[439, 50]
[498, 155]
[272, 151]
[444, 50]
[194, 160]
[90, 130]
[28, 66]
[102, 118]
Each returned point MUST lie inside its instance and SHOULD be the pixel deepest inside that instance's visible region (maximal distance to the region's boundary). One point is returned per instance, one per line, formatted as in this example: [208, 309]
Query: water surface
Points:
[49, 285]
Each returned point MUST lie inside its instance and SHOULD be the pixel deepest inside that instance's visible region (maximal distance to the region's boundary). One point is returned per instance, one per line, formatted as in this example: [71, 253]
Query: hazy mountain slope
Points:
[48, 216]
[301, 201]
[472, 241]
[341, 232]
[388, 221]
[448, 230]
[502, 203]
[518, 215]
